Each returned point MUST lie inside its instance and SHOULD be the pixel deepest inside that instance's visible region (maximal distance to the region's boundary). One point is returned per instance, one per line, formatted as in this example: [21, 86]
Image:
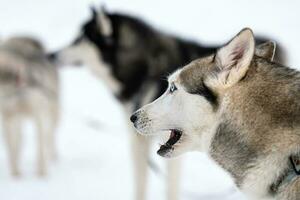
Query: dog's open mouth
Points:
[175, 136]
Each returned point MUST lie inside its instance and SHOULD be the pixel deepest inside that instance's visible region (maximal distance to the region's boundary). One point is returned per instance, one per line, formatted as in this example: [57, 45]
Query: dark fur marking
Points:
[204, 91]
[152, 56]
[132, 73]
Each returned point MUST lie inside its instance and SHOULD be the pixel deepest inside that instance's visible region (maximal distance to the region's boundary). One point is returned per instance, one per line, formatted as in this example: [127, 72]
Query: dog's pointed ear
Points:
[103, 9]
[232, 60]
[94, 11]
[104, 22]
[266, 50]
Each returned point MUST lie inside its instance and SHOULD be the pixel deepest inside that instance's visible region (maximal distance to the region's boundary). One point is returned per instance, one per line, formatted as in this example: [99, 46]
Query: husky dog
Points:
[242, 110]
[28, 88]
[132, 58]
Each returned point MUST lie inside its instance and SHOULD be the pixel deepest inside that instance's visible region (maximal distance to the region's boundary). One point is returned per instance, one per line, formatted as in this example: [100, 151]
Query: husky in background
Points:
[241, 109]
[133, 59]
[28, 88]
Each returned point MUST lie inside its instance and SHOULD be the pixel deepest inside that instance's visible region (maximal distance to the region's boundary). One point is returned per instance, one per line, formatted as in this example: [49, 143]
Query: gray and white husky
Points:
[28, 88]
[133, 59]
[241, 109]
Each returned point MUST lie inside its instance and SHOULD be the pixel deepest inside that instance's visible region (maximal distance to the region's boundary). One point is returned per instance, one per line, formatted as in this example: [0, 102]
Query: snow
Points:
[93, 141]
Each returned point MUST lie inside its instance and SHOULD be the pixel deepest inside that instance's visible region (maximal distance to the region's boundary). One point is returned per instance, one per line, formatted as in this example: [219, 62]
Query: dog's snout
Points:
[52, 56]
[133, 118]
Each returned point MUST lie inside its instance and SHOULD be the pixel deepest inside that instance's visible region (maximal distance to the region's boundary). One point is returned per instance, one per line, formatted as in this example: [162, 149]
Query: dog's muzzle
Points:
[134, 118]
[52, 56]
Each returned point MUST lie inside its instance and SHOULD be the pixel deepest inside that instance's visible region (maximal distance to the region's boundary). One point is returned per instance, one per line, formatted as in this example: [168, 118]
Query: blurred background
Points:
[94, 156]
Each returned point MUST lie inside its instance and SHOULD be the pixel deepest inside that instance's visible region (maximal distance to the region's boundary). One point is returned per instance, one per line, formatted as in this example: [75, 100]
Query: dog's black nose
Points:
[133, 118]
[52, 56]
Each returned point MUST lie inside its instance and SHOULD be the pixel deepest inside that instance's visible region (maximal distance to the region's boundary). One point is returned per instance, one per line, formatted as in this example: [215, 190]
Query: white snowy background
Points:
[94, 155]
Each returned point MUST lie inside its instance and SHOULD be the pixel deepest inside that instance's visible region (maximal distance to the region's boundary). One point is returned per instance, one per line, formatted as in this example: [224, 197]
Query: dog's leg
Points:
[140, 150]
[51, 135]
[12, 135]
[41, 145]
[173, 179]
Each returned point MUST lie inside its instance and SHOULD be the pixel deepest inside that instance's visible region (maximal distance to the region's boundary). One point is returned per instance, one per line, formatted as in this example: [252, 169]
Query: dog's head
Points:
[25, 46]
[112, 45]
[190, 108]
[94, 48]
[93, 41]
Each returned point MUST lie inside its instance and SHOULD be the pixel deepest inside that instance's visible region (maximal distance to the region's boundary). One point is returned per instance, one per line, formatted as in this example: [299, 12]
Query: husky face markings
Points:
[93, 49]
[96, 32]
[113, 47]
[188, 99]
[132, 58]
[81, 51]
[239, 107]
[174, 113]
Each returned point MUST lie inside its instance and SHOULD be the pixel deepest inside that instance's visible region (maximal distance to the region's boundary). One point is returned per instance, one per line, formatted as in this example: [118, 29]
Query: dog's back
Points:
[25, 73]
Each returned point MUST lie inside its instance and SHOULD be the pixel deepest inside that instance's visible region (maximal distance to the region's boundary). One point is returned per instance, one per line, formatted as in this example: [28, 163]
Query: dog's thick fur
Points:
[241, 109]
[133, 59]
[28, 88]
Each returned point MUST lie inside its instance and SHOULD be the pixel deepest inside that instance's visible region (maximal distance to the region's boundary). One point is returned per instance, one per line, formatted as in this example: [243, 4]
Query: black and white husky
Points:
[133, 59]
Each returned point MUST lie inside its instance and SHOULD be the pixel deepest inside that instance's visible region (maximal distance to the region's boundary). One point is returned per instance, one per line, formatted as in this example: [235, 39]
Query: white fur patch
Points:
[258, 181]
[87, 53]
[177, 110]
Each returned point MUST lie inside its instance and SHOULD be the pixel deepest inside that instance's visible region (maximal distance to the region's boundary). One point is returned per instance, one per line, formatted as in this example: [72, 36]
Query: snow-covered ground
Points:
[93, 141]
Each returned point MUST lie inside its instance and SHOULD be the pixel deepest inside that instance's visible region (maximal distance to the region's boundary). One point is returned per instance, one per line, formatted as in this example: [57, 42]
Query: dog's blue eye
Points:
[173, 88]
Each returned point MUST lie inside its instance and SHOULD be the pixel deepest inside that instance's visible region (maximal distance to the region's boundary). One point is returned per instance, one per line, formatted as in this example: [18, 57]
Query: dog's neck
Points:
[206, 139]
[103, 71]
[258, 130]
